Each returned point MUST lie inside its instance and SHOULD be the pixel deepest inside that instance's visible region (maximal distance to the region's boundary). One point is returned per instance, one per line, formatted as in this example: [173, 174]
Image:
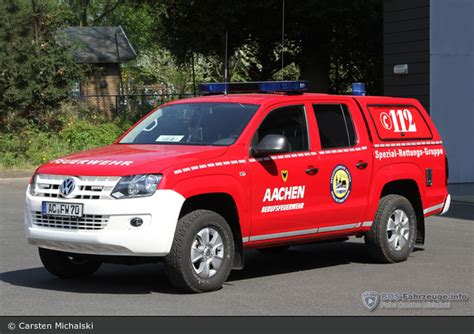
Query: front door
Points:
[282, 186]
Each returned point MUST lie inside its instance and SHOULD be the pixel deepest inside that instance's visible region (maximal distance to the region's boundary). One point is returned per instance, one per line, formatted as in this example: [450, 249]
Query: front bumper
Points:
[154, 237]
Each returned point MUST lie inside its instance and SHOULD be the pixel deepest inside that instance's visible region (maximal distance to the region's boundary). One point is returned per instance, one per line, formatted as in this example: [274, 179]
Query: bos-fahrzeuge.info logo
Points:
[341, 183]
[370, 299]
[411, 300]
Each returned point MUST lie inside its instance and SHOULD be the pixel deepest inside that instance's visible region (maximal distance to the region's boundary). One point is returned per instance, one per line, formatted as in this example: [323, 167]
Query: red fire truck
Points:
[257, 165]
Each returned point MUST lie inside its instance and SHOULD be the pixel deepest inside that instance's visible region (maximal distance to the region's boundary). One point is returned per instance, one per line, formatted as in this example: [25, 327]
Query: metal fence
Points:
[131, 106]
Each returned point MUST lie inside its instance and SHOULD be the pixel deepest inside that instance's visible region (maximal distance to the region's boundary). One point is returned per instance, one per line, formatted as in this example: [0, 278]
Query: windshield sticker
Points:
[92, 162]
[153, 126]
[341, 184]
[169, 138]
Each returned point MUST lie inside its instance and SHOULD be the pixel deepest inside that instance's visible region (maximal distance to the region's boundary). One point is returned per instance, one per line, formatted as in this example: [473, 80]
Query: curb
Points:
[6, 179]
[15, 174]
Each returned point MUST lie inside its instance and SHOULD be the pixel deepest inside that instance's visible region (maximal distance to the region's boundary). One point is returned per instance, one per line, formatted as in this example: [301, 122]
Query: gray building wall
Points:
[406, 41]
[452, 82]
[436, 39]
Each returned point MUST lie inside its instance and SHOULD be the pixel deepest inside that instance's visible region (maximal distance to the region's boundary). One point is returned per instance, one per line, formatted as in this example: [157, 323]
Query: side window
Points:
[335, 125]
[289, 122]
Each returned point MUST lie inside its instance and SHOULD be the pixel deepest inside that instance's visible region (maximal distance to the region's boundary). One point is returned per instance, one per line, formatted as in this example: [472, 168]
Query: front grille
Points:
[86, 222]
[90, 187]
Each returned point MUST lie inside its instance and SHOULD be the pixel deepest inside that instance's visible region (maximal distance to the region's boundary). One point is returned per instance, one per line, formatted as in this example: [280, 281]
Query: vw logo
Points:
[67, 187]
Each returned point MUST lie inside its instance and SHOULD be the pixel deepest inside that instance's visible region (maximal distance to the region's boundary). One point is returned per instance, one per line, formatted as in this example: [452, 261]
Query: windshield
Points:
[207, 123]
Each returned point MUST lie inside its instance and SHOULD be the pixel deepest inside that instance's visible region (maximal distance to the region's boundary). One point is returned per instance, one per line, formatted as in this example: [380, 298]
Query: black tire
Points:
[66, 265]
[179, 268]
[377, 239]
[274, 250]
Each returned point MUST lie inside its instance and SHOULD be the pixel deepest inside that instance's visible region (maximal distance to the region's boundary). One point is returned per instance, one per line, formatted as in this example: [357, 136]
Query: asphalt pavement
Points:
[319, 279]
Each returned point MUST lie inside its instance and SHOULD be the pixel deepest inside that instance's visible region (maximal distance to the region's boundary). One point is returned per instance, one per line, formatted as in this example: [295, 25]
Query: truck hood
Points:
[122, 159]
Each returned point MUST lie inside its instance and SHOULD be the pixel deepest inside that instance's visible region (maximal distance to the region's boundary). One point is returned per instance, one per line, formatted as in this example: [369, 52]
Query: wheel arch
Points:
[225, 205]
[400, 179]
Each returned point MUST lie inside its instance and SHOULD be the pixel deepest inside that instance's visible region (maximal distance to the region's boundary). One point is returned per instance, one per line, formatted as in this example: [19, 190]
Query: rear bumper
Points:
[154, 237]
[447, 204]
[440, 208]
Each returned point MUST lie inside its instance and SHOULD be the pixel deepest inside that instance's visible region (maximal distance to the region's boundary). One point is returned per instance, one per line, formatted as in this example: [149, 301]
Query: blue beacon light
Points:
[358, 88]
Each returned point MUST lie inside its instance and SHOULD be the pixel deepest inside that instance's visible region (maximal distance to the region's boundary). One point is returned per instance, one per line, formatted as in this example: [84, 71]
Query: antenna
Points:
[226, 69]
[194, 74]
[282, 38]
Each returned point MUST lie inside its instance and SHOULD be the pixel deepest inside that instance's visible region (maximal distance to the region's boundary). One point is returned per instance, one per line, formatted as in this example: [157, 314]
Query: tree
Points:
[137, 18]
[36, 73]
[333, 41]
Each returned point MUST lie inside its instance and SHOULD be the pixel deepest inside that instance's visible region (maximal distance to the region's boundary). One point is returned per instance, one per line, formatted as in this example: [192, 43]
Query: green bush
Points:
[81, 135]
[31, 146]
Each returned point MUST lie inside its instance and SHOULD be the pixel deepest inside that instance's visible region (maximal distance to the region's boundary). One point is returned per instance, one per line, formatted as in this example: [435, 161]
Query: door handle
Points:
[361, 165]
[312, 170]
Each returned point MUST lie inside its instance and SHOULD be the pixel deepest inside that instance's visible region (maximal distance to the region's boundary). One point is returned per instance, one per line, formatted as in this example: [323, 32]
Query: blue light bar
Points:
[213, 88]
[284, 86]
[296, 87]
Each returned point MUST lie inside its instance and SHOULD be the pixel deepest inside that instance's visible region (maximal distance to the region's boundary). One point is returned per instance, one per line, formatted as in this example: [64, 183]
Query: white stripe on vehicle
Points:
[433, 208]
[301, 155]
[283, 234]
[413, 143]
[337, 228]
[274, 157]
[307, 231]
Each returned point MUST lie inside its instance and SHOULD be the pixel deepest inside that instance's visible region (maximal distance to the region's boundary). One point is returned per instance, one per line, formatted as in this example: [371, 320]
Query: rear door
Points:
[345, 163]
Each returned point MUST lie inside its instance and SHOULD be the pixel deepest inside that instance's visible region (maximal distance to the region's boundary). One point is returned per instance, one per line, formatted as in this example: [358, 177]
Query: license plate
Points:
[62, 209]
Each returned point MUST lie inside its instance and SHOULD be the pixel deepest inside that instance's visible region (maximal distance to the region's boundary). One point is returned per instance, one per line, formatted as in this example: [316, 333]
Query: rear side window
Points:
[335, 125]
[289, 122]
[399, 122]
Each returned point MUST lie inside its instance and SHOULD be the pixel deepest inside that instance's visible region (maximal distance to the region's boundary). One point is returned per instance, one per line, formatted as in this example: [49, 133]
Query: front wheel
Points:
[202, 253]
[393, 232]
[66, 265]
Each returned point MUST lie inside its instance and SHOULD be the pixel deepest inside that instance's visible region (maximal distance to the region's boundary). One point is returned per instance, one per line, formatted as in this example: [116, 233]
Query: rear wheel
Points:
[393, 232]
[66, 265]
[202, 253]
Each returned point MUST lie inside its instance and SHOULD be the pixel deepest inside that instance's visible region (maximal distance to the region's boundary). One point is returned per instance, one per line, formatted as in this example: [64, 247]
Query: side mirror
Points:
[271, 144]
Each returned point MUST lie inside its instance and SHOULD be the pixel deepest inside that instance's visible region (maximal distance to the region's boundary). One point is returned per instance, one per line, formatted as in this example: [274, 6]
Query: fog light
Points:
[136, 222]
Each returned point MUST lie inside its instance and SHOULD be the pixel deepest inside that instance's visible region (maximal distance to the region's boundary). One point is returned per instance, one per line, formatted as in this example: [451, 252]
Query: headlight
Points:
[137, 186]
[33, 185]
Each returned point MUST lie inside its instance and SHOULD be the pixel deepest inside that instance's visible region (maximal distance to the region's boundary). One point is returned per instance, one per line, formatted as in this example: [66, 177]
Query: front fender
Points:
[220, 183]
